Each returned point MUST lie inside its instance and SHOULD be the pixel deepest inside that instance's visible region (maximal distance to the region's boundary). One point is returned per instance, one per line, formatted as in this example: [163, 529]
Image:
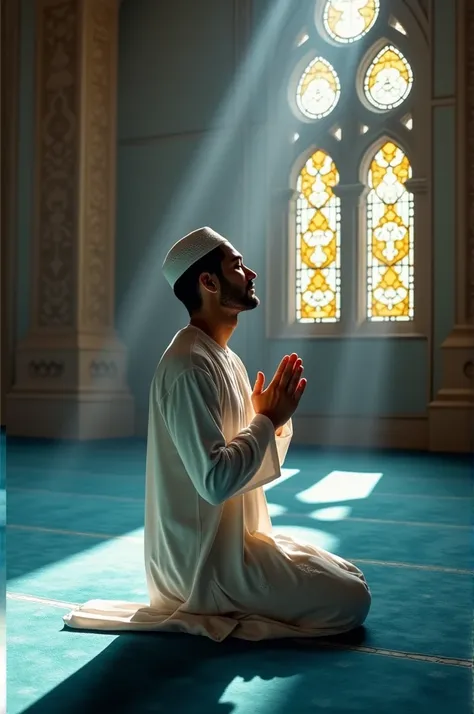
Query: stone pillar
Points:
[10, 62]
[353, 295]
[71, 368]
[451, 414]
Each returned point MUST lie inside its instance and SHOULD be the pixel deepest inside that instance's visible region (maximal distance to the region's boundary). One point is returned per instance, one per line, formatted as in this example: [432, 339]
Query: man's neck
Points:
[220, 330]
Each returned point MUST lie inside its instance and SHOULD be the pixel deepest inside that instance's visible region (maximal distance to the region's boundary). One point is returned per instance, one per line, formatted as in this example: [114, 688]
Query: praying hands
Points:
[280, 399]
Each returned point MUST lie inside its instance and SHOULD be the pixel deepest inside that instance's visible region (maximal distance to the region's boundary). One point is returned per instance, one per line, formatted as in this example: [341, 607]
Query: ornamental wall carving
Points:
[57, 166]
[76, 163]
[99, 137]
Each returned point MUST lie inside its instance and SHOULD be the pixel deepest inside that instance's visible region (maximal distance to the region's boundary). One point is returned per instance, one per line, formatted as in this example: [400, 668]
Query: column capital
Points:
[350, 190]
[417, 185]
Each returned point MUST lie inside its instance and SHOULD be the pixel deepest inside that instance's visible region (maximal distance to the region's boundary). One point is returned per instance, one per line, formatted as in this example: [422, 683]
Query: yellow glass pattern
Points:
[390, 237]
[318, 90]
[318, 242]
[348, 20]
[389, 79]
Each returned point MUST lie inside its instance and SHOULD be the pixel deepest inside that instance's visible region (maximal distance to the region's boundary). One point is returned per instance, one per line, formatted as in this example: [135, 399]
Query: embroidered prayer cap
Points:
[189, 250]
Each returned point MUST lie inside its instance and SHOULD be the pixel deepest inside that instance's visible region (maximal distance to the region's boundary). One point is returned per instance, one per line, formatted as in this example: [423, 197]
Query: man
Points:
[214, 566]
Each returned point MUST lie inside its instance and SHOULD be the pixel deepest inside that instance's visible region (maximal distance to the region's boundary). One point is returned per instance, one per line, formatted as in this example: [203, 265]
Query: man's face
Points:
[236, 284]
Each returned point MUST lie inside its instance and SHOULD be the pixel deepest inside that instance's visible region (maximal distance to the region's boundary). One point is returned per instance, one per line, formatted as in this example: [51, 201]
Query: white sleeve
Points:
[218, 470]
[283, 441]
[273, 460]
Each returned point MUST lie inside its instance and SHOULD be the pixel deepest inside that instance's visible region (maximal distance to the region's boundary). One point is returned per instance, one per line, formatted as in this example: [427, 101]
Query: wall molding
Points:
[179, 135]
[380, 432]
[374, 432]
[175, 135]
[443, 101]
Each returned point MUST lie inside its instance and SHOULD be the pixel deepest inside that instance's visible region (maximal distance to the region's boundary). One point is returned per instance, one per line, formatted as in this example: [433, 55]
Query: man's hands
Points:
[280, 399]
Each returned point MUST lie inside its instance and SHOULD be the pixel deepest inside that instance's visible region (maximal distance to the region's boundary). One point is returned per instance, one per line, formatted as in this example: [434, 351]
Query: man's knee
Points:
[359, 602]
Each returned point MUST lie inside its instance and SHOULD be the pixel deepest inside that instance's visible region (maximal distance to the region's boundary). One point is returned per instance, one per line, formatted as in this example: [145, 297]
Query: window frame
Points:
[352, 188]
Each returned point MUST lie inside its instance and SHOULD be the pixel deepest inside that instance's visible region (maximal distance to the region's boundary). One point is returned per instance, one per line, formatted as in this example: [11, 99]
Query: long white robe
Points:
[213, 565]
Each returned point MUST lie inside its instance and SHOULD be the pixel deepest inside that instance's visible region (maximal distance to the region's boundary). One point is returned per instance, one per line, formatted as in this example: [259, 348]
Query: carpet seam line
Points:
[381, 651]
[142, 500]
[380, 521]
[135, 539]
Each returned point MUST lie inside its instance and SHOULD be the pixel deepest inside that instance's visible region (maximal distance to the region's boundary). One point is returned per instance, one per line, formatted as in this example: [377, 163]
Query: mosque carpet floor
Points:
[75, 532]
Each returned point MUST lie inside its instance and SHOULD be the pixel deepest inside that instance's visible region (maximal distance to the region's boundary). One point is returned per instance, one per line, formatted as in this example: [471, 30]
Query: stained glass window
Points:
[389, 79]
[349, 20]
[318, 90]
[318, 242]
[390, 242]
[322, 88]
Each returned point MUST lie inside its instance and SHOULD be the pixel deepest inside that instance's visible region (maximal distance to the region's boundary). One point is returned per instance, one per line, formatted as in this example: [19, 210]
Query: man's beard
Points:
[236, 297]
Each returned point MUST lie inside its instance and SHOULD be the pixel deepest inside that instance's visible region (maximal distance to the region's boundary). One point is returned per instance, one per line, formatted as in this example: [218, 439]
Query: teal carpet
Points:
[75, 517]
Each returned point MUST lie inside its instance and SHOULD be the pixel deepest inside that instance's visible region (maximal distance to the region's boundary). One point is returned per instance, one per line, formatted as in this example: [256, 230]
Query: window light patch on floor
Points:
[341, 486]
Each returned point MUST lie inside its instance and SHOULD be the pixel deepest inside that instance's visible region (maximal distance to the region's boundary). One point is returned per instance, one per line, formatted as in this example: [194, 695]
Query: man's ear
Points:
[208, 282]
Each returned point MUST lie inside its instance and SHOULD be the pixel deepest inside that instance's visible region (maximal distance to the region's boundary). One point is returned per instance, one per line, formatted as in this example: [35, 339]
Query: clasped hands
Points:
[280, 399]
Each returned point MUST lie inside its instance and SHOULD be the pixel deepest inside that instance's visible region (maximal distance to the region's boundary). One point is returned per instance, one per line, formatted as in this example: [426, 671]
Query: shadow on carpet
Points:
[145, 673]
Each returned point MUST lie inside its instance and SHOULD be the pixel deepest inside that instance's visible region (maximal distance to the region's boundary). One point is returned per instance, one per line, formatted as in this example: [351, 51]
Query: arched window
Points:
[354, 152]
[390, 239]
[318, 241]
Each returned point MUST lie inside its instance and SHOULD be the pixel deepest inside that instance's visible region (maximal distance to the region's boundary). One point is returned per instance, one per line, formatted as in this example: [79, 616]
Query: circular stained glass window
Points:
[348, 20]
[318, 90]
[389, 79]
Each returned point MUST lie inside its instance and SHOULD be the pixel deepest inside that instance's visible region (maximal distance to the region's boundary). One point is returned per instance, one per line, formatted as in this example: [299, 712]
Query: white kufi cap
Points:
[189, 250]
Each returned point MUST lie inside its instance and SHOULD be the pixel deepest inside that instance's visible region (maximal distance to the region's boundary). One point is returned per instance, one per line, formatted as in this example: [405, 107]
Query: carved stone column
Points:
[10, 62]
[451, 414]
[70, 370]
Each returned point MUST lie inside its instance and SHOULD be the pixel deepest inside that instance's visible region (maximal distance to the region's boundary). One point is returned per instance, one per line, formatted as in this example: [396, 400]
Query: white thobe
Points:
[214, 567]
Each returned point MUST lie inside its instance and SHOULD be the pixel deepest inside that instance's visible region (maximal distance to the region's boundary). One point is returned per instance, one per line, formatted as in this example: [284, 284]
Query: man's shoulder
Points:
[184, 356]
